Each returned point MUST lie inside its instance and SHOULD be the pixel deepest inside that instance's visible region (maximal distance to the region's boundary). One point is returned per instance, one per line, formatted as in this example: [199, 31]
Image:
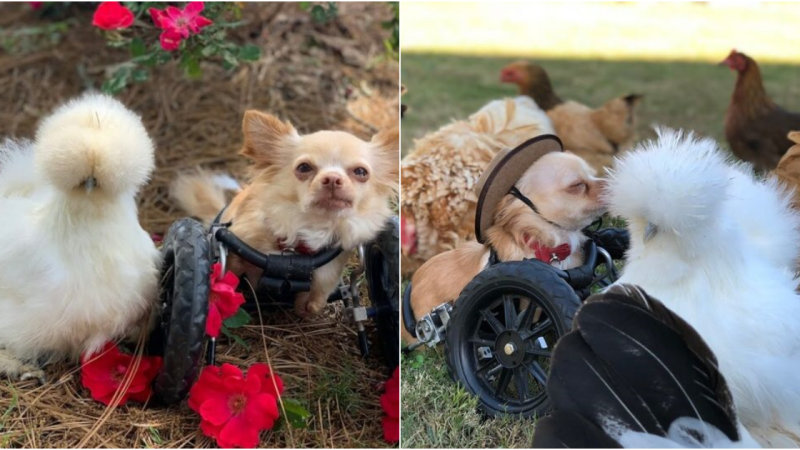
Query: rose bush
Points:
[156, 34]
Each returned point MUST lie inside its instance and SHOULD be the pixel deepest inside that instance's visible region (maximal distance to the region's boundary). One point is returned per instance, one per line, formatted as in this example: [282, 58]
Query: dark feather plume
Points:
[632, 364]
[564, 429]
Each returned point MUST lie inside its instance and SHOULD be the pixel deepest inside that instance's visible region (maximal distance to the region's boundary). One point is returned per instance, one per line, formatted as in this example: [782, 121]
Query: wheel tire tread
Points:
[536, 273]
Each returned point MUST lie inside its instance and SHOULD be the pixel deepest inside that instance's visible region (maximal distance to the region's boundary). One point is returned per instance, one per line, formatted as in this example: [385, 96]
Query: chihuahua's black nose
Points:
[332, 181]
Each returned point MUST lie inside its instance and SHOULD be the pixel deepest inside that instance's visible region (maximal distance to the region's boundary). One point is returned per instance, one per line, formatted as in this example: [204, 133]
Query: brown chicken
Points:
[755, 127]
[596, 135]
[438, 176]
[788, 170]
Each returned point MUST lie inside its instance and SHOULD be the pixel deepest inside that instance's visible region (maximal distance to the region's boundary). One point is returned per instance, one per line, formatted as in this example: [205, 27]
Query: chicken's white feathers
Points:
[95, 135]
[722, 259]
[78, 269]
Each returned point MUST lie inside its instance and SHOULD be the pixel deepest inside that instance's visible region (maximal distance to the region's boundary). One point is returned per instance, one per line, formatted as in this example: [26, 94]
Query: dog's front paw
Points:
[307, 305]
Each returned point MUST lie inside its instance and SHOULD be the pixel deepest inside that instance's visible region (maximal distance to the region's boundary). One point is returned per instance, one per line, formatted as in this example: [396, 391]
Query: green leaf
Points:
[137, 47]
[229, 60]
[296, 413]
[140, 75]
[118, 81]
[240, 319]
[305, 5]
[191, 66]
[249, 53]
[234, 337]
[148, 59]
[209, 50]
[324, 14]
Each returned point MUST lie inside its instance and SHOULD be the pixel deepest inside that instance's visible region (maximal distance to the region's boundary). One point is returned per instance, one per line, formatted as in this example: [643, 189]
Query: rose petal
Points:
[215, 270]
[391, 429]
[238, 433]
[209, 429]
[262, 411]
[170, 40]
[228, 370]
[269, 382]
[216, 411]
[157, 15]
[230, 278]
[193, 8]
[214, 322]
[202, 22]
[252, 385]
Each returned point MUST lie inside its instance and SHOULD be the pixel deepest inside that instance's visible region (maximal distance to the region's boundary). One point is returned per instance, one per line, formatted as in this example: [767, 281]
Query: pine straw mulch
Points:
[319, 76]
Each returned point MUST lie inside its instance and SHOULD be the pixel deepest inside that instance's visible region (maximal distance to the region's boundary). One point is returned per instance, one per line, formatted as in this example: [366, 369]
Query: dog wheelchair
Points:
[499, 334]
[189, 250]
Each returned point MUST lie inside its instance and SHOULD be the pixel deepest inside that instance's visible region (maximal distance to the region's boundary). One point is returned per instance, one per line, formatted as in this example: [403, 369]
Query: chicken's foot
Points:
[16, 369]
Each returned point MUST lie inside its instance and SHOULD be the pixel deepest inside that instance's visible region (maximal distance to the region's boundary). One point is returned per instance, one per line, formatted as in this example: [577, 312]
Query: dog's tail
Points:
[675, 184]
[202, 194]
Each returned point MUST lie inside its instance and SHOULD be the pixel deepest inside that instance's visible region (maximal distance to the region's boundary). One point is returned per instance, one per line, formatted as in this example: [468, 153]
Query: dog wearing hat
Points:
[533, 202]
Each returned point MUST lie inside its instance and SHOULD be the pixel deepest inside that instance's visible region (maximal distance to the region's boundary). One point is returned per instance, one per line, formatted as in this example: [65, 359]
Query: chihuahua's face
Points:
[564, 189]
[328, 172]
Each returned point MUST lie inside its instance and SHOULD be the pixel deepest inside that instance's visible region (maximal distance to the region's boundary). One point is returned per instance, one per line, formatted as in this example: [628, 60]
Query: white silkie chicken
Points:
[76, 268]
[718, 246]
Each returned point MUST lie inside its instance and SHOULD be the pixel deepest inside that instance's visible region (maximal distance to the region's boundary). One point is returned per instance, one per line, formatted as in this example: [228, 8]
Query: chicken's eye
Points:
[304, 168]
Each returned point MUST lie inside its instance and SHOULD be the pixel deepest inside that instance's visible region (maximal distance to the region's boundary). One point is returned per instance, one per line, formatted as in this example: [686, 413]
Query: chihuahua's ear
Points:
[386, 145]
[266, 138]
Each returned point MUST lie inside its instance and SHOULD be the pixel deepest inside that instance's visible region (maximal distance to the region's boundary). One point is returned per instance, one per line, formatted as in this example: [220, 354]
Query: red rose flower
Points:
[234, 408]
[36, 5]
[390, 402]
[224, 301]
[112, 16]
[170, 40]
[179, 24]
[103, 374]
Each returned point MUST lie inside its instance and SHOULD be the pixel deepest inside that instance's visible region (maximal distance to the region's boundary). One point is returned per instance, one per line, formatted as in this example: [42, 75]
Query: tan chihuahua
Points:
[307, 192]
[567, 197]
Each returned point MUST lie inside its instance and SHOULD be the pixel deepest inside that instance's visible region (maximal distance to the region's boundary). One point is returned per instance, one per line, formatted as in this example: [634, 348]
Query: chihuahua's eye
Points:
[361, 173]
[304, 168]
[578, 188]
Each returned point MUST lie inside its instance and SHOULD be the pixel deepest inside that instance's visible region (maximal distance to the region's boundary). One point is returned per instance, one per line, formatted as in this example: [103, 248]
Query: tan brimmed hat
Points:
[503, 172]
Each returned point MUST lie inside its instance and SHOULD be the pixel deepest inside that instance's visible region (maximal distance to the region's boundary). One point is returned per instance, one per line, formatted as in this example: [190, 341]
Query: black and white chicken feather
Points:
[633, 374]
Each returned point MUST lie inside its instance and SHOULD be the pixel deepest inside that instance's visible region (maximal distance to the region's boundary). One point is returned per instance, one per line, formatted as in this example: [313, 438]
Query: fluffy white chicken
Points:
[76, 268]
[718, 246]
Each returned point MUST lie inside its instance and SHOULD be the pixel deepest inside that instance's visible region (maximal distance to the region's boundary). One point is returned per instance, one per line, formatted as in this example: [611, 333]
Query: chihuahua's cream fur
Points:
[77, 268]
[565, 191]
[322, 189]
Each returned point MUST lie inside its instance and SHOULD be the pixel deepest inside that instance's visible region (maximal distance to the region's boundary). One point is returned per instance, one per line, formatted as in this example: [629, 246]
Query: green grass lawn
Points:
[678, 94]
[436, 411]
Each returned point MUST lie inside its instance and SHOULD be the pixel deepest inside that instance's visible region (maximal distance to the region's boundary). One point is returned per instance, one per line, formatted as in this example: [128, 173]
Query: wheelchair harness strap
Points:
[521, 197]
[284, 274]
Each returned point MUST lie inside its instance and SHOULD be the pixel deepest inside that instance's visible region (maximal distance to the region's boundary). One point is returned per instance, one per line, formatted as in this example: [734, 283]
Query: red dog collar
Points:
[550, 254]
[300, 247]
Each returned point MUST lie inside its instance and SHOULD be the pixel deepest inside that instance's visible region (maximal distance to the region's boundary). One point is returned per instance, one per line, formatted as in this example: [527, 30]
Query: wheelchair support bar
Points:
[582, 276]
[278, 265]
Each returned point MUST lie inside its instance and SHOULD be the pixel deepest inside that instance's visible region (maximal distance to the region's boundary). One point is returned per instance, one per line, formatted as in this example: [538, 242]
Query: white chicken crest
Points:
[718, 247]
[78, 269]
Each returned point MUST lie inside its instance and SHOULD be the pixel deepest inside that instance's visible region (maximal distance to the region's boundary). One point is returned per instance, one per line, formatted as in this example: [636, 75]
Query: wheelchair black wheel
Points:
[184, 291]
[382, 259]
[501, 334]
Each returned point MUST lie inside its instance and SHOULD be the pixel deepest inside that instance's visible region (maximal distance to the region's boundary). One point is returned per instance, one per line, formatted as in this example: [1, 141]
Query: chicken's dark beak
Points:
[650, 232]
[90, 183]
